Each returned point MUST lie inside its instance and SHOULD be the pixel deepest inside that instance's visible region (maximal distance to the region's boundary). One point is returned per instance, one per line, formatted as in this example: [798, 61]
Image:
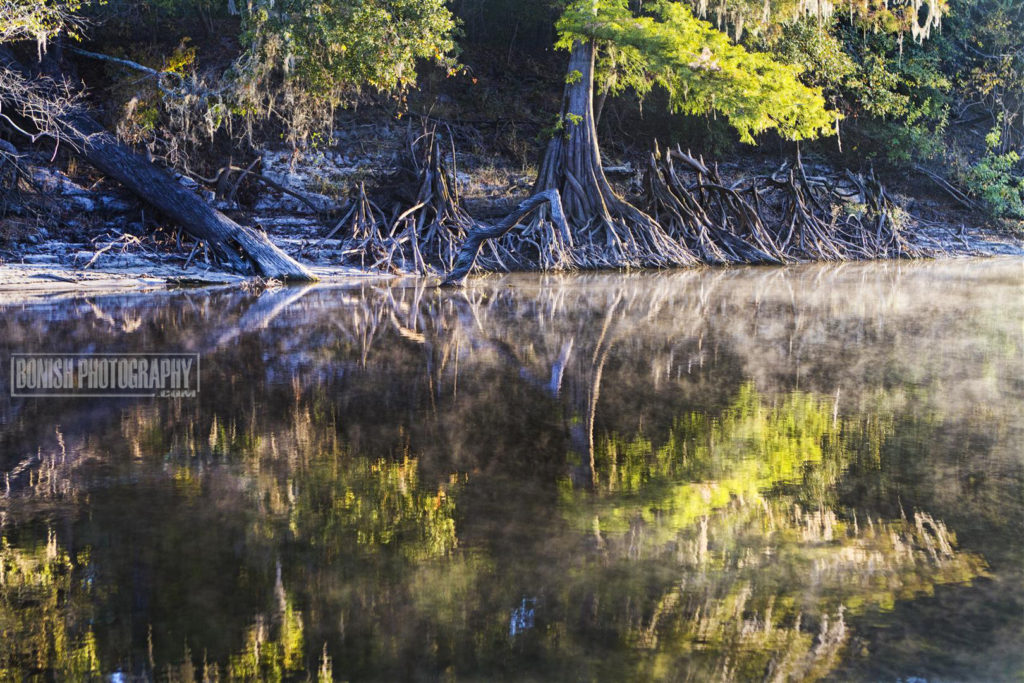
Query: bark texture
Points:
[239, 247]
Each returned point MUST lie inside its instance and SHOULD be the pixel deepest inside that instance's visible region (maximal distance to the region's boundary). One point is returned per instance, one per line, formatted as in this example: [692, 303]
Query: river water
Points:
[755, 473]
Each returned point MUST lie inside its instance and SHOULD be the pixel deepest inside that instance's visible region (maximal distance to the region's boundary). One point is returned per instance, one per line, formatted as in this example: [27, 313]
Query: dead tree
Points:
[435, 224]
[423, 236]
[237, 247]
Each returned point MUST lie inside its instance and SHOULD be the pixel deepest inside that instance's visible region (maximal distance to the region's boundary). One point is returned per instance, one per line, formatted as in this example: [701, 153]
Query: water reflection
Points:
[733, 474]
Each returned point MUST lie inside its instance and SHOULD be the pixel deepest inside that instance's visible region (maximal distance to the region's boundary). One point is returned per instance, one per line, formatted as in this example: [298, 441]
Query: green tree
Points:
[986, 63]
[701, 70]
[303, 58]
[892, 95]
[987, 60]
[297, 61]
[994, 178]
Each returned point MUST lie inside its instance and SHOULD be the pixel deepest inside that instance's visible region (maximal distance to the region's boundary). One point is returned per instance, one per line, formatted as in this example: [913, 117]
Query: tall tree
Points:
[701, 70]
[302, 58]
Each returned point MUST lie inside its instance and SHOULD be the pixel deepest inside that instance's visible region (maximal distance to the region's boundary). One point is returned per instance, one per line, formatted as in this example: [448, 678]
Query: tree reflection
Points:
[736, 518]
[670, 476]
[44, 617]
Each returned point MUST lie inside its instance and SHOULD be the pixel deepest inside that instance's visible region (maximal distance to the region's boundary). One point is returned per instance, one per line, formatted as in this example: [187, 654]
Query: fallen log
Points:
[239, 247]
[236, 246]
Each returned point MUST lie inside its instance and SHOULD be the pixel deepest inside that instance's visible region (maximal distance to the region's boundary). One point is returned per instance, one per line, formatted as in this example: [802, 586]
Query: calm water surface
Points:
[746, 474]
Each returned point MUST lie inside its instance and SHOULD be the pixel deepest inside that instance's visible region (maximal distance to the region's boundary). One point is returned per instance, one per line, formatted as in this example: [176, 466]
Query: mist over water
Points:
[753, 473]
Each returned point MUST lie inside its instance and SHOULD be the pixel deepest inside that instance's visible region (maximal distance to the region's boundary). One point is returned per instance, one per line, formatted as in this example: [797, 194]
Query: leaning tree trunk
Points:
[607, 230]
[240, 248]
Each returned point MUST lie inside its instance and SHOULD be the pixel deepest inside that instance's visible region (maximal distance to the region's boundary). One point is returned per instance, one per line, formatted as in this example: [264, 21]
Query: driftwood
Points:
[237, 247]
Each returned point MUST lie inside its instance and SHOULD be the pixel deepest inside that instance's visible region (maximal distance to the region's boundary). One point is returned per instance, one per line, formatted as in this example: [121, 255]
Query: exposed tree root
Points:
[555, 256]
[429, 234]
[692, 216]
[782, 217]
[430, 231]
[361, 225]
[608, 232]
[424, 236]
[715, 221]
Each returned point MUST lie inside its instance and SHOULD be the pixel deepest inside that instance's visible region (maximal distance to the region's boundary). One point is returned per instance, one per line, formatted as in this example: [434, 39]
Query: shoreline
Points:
[102, 241]
[27, 281]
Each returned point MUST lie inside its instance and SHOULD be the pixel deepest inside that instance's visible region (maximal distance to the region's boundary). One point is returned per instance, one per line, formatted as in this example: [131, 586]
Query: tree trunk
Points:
[607, 230]
[238, 247]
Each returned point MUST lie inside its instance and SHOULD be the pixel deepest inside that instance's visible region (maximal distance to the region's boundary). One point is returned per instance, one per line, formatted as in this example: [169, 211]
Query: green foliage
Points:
[988, 62]
[702, 71]
[297, 61]
[43, 613]
[707, 463]
[38, 20]
[304, 58]
[332, 45]
[996, 180]
[814, 46]
[892, 95]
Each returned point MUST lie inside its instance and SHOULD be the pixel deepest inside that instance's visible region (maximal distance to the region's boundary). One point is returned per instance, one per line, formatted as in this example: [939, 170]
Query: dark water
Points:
[749, 474]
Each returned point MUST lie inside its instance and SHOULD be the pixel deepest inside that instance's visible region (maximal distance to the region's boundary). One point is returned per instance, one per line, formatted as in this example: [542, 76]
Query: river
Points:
[811, 472]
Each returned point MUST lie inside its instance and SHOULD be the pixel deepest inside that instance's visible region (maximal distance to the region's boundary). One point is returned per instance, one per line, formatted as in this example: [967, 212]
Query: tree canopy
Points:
[699, 67]
[336, 44]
